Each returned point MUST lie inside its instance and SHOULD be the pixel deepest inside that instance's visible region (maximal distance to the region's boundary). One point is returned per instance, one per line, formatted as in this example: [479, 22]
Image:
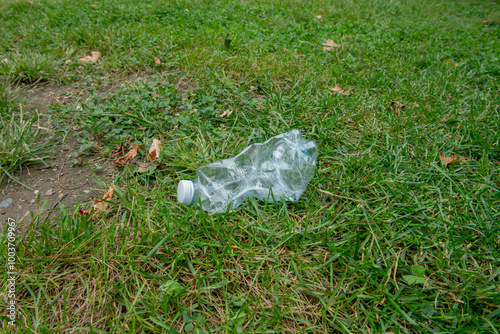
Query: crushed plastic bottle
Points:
[279, 169]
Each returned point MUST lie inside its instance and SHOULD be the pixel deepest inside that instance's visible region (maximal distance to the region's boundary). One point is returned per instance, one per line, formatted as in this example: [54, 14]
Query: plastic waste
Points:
[279, 168]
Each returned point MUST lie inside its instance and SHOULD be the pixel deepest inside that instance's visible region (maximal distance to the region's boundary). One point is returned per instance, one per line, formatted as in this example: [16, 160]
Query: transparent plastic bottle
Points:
[279, 168]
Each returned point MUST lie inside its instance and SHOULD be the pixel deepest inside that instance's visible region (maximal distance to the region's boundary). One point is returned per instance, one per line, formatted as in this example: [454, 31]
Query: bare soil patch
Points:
[54, 185]
[60, 183]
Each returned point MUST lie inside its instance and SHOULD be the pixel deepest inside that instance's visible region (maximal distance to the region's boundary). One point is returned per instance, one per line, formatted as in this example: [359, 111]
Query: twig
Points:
[58, 182]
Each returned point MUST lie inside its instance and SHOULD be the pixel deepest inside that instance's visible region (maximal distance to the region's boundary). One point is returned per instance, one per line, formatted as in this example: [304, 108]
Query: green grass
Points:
[385, 239]
[22, 141]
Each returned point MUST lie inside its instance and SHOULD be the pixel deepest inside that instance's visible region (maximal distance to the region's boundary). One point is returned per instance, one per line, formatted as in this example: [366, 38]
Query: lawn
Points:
[392, 235]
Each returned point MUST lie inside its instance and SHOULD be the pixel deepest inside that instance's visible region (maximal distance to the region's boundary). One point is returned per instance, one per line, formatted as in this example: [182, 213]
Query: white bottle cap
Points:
[185, 192]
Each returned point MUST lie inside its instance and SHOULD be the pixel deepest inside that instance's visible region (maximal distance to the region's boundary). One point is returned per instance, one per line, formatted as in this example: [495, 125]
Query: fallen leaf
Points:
[122, 161]
[143, 167]
[84, 212]
[100, 204]
[154, 151]
[133, 152]
[157, 61]
[94, 55]
[33, 3]
[339, 90]
[94, 5]
[329, 45]
[19, 38]
[108, 193]
[119, 151]
[451, 159]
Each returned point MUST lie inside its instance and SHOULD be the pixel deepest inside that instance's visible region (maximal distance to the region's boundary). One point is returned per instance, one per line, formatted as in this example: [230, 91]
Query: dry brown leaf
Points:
[19, 38]
[329, 45]
[84, 212]
[154, 151]
[33, 3]
[94, 5]
[100, 204]
[451, 159]
[337, 89]
[122, 161]
[157, 61]
[143, 167]
[132, 153]
[94, 55]
[109, 193]
[118, 152]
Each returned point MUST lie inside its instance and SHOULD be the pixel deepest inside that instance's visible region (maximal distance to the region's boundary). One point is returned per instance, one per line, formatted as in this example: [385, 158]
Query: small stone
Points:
[49, 192]
[5, 203]
[36, 192]
[86, 191]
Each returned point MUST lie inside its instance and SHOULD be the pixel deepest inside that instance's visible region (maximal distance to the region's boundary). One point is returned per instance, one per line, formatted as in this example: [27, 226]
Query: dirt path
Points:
[48, 188]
